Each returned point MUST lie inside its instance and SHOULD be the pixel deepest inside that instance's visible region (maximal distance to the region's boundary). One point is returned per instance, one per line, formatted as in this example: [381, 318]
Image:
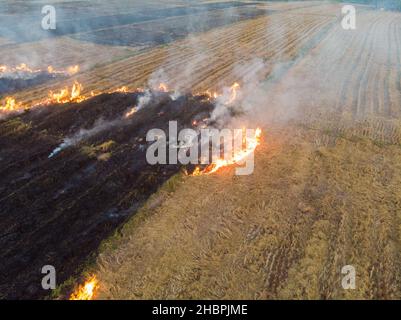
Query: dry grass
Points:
[269, 235]
[203, 61]
[324, 194]
[62, 52]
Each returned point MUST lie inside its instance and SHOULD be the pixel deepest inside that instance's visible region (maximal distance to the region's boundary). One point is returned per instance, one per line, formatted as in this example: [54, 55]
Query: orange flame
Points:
[163, 87]
[10, 105]
[65, 95]
[131, 112]
[87, 290]
[210, 95]
[75, 95]
[23, 67]
[123, 89]
[251, 145]
[73, 70]
[234, 93]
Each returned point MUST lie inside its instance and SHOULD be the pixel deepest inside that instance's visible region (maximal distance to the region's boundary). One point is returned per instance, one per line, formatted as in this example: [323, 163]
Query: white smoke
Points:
[100, 125]
[144, 100]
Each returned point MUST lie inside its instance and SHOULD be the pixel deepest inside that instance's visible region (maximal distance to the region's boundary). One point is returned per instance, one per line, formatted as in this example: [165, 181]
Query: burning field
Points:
[80, 170]
[17, 78]
[77, 191]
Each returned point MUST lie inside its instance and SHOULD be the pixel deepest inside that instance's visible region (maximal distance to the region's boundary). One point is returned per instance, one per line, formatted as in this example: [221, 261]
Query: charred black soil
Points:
[57, 210]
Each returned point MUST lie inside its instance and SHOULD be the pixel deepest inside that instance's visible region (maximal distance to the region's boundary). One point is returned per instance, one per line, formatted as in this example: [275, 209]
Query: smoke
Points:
[99, 126]
[102, 125]
[263, 96]
[144, 100]
[158, 77]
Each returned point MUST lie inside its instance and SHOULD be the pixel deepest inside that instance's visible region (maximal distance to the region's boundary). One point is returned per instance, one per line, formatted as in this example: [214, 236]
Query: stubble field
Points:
[325, 191]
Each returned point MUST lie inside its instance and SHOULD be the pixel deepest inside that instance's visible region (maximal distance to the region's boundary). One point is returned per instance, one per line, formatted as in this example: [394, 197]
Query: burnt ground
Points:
[58, 210]
[13, 84]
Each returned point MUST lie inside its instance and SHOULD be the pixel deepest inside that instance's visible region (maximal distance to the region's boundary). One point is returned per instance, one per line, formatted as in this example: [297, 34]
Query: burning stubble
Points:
[218, 148]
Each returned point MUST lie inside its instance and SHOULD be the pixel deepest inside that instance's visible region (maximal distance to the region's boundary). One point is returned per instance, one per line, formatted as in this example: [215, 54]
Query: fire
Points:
[123, 89]
[76, 90]
[163, 87]
[73, 70]
[10, 105]
[131, 112]
[65, 95]
[87, 290]
[210, 95]
[24, 68]
[197, 172]
[234, 93]
[74, 94]
[251, 145]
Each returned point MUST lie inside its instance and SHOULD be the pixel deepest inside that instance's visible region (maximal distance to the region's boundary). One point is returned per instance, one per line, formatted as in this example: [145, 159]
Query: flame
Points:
[23, 67]
[65, 95]
[251, 145]
[197, 172]
[213, 95]
[87, 290]
[163, 87]
[131, 112]
[75, 95]
[76, 90]
[234, 93]
[123, 89]
[10, 105]
[210, 95]
[73, 70]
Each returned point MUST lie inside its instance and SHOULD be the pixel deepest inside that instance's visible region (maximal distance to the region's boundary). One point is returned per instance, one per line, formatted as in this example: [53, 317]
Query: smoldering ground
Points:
[56, 210]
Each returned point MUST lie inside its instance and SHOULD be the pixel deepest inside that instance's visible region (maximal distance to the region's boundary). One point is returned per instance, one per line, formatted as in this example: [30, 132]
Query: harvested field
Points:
[170, 29]
[324, 193]
[197, 64]
[61, 52]
[269, 235]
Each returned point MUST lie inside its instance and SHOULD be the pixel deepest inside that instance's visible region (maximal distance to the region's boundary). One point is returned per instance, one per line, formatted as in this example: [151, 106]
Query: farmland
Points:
[325, 191]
